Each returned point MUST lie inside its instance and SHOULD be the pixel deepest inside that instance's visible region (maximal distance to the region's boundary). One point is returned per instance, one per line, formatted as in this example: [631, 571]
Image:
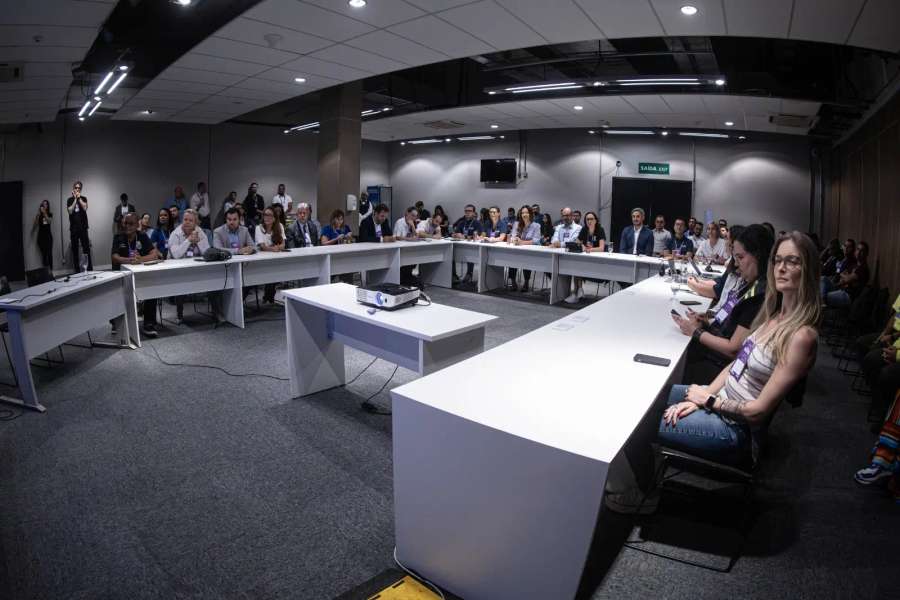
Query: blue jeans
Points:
[832, 295]
[706, 435]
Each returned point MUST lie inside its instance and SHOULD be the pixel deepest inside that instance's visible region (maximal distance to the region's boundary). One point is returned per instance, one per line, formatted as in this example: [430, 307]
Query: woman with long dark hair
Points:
[160, 235]
[269, 238]
[525, 233]
[43, 222]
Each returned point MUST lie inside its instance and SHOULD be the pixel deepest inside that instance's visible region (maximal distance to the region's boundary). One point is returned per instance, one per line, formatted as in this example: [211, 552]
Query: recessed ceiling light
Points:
[123, 68]
[183, 2]
[287, 131]
[147, 112]
[494, 126]
[300, 79]
[664, 133]
[742, 137]
[502, 137]
[720, 82]
[688, 10]
[357, 3]
[729, 123]
[387, 109]
[402, 143]
[578, 107]
[491, 93]
[97, 98]
[597, 84]
[81, 118]
[605, 125]
[591, 131]
[446, 139]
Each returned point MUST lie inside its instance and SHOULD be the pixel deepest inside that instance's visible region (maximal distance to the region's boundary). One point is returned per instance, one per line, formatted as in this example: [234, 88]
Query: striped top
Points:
[748, 385]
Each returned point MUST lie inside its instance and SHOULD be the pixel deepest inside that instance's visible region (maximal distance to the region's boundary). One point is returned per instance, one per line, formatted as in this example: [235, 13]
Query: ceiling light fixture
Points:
[664, 133]
[113, 87]
[97, 98]
[387, 109]
[544, 87]
[183, 2]
[447, 139]
[357, 3]
[578, 107]
[502, 137]
[657, 80]
[729, 123]
[81, 118]
[688, 10]
[104, 82]
[428, 141]
[93, 110]
[369, 112]
[472, 138]
[148, 112]
[305, 126]
[287, 131]
[591, 131]
[566, 87]
[123, 67]
[742, 137]
[300, 79]
[494, 126]
[720, 82]
[597, 83]
[491, 93]
[628, 132]
[84, 108]
[402, 143]
[703, 135]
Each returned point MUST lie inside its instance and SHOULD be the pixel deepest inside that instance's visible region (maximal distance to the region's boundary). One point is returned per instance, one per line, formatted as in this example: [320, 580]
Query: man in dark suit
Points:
[376, 228]
[636, 239]
[303, 232]
[120, 211]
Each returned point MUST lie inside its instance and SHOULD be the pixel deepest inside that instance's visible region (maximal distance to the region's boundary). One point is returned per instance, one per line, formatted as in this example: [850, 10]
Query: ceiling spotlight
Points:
[502, 137]
[605, 125]
[491, 93]
[729, 123]
[387, 109]
[97, 98]
[742, 137]
[494, 126]
[402, 143]
[81, 118]
[147, 112]
[591, 131]
[446, 139]
[720, 82]
[357, 3]
[300, 79]
[664, 133]
[578, 107]
[183, 2]
[123, 67]
[287, 131]
[688, 10]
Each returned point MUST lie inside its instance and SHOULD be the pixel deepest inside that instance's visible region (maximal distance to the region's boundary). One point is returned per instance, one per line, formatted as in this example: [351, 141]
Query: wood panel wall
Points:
[862, 200]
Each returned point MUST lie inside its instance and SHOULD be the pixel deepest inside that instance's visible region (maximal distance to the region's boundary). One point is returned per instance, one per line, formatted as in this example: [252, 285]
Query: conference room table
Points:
[48, 315]
[497, 488]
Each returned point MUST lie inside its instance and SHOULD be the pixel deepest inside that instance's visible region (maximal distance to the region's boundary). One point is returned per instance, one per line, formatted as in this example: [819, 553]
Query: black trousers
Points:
[882, 377]
[513, 273]
[81, 238]
[46, 248]
[150, 312]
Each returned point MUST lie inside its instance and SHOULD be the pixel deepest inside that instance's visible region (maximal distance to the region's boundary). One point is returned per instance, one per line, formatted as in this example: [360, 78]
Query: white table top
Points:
[53, 290]
[572, 384]
[550, 250]
[428, 323]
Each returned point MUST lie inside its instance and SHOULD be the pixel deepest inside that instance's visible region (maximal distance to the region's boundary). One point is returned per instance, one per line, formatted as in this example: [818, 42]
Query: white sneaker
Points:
[571, 299]
[580, 292]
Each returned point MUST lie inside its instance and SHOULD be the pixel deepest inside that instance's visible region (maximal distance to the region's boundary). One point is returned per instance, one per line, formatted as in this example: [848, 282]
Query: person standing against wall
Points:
[77, 206]
[43, 222]
[200, 203]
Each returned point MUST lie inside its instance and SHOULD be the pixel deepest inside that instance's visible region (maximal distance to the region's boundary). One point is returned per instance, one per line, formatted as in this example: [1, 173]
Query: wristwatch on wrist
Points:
[697, 333]
[710, 402]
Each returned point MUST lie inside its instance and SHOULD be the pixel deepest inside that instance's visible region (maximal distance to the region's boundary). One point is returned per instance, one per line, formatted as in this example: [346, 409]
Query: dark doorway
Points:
[12, 257]
[656, 196]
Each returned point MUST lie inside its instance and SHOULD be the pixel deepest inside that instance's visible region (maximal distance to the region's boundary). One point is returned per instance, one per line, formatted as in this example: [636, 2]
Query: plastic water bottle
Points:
[84, 262]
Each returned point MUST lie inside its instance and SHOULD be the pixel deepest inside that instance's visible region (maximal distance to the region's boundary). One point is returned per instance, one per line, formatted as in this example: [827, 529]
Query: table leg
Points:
[19, 357]
[434, 356]
[233, 299]
[489, 278]
[315, 358]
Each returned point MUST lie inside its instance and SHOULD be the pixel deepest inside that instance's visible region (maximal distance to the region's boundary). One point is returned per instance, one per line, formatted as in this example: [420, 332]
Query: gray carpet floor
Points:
[150, 481]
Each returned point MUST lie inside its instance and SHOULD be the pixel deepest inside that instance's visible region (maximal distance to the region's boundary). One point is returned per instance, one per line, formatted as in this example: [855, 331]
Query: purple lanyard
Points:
[740, 363]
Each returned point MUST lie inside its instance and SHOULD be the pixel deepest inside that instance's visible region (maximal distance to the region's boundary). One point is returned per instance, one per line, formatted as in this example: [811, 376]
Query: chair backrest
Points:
[861, 308]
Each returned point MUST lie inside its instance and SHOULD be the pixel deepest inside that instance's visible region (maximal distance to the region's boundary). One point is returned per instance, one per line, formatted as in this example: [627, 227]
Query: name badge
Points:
[234, 245]
[131, 253]
[726, 309]
[190, 254]
[740, 363]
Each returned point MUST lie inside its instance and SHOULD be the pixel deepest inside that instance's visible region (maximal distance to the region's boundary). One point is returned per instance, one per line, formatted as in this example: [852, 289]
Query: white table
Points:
[321, 320]
[47, 315]
[499, 473]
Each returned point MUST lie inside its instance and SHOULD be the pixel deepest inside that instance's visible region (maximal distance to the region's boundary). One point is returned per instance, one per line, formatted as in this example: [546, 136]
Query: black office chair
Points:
[681, 462]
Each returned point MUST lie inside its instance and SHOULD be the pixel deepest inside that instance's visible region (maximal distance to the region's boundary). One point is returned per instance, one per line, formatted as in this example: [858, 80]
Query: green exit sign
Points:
[653, 168]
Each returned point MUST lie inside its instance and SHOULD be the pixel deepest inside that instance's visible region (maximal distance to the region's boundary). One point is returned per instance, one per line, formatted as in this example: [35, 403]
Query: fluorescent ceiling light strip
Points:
[663, 83]
[432, 141]
[84, 108]
[568, 87]
[116, 84]
[104, 82]
[659, 79]
[475, 137]
[366, 113]
[706, 135]
[535, 87]
[306, 126]
[93, 110]
[628, 132]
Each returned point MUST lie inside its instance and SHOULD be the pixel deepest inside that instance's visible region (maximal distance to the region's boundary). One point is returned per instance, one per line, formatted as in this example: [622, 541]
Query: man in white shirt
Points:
[431, 227]
[662, 237]
[200, 204]
[283, 199]
[405, 227]
[713, 248]
[187, 241]
[566, 231]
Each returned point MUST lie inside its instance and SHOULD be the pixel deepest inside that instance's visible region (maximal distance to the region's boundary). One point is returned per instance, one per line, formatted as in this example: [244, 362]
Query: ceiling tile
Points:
[24, 95]
[315, 66]
[722, 104]
[759, 106]
[393, 46]
[687, 104]
[611, 104]
[276, 87]
[380, 13]
[218, 65]
[38, 83]
[71, 13]
[441, 36]
[437, 5]
[494, 25]
[242, 92]
[157, 104]
[672, 120]
[242, 51]
[622, 18]
[203, 76]
[647, 103]
[709, 19]
[41, 53]
[146, 94]
[48, 69]
[759, 123]
[18, 35]
[184, 86]
[308, 18]
[824, 20]
[878, 26]
[313, 82]
[255, 32]
[800, 107]
[558, 21]
[514, 109]
[359, 59]
[759, 18]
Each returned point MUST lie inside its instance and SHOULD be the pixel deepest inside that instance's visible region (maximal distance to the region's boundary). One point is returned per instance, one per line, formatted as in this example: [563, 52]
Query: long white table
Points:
[497, 488]
[321, 320]
[48, 315]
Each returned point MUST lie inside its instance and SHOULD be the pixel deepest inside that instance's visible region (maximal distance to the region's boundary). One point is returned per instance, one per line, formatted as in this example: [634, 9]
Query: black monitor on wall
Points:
[498, 170]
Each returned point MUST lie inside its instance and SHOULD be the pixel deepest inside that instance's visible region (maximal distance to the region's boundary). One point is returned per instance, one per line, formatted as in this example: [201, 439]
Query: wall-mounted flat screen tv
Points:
[498, 170]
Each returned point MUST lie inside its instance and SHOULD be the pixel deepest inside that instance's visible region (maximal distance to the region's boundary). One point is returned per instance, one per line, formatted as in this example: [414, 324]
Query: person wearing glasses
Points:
[77, 206]
[592, 239]
[467, 228]
[525, 233]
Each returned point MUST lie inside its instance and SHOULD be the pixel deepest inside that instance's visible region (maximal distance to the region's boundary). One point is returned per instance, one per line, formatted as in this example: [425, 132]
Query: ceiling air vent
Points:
[10, 72]
[799, 121]
[444, 124]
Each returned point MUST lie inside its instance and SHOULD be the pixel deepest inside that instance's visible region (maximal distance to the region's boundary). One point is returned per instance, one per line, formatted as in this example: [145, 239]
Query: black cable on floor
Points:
[372, 408]
[213, 367]
[7, 414]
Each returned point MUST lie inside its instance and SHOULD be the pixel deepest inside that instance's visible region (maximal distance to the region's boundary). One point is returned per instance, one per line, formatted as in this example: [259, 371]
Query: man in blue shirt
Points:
[636, 239]
[468, 227]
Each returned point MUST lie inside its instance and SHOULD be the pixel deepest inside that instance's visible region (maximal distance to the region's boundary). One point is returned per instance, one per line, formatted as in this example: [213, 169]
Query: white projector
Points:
[387, 296]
